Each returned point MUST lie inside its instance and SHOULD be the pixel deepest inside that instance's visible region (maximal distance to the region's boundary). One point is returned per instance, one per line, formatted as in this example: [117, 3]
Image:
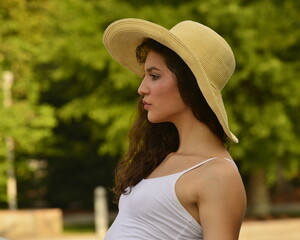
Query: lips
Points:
[146, 105]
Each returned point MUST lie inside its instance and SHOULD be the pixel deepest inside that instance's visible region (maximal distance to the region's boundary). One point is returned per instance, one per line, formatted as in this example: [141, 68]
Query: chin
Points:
[156, 120]
[153, 119]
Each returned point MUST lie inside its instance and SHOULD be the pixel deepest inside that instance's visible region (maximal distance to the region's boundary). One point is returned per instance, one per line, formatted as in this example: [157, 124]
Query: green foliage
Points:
[26, 120]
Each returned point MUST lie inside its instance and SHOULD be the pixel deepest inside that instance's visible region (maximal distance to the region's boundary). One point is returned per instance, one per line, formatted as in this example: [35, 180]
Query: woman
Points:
[177, 180]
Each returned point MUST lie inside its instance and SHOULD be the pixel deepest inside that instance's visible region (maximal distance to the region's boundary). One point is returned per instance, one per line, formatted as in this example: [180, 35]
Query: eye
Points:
[154, 76]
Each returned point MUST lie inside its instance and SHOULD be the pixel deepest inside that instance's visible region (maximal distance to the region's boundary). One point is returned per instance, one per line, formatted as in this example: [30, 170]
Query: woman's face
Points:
[160, 93]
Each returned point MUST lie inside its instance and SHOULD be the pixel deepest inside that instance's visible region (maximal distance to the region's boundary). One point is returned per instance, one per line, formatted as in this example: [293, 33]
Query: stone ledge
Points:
[30, 223]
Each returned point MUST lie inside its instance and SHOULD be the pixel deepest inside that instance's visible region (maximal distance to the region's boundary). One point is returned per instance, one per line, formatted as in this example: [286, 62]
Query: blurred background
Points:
[66, 105]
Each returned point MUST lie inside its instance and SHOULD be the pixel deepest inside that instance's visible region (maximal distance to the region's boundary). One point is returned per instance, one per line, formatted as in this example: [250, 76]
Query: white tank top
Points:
[152, 211]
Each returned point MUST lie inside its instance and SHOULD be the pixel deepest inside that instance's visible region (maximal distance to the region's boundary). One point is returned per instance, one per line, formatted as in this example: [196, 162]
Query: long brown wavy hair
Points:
[150, 143]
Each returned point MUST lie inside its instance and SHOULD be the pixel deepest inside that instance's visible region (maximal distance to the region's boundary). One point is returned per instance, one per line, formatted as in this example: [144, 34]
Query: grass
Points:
[79, 228]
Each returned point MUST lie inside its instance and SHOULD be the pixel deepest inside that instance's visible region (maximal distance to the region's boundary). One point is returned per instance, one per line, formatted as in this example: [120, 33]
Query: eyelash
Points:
[154, 76]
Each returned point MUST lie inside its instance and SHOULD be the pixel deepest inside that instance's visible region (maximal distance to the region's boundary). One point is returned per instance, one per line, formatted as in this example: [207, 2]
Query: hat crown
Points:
[212, 51]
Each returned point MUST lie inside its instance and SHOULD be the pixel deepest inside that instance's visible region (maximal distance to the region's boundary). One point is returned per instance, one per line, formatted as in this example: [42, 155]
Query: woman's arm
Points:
[221, 201]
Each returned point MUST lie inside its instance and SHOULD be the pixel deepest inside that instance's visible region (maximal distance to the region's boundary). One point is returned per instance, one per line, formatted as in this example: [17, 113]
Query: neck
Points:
[197, 139]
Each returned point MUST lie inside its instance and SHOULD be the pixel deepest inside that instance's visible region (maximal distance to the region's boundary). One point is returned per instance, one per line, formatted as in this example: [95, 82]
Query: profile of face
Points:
[161, 97]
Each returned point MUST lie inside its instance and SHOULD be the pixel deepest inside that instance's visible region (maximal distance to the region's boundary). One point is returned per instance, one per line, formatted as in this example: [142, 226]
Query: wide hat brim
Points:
[123, 36]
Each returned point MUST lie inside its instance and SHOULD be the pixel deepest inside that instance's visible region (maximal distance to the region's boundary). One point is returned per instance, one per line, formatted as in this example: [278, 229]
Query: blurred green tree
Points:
[25, 121]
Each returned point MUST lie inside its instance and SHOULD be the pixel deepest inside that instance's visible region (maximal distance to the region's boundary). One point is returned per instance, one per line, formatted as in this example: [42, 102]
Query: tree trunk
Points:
[8, 79]
[11, 176]
[258, 195]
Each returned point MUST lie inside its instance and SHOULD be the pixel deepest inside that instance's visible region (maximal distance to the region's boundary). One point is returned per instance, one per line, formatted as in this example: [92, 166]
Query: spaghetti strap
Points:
[207, 160]
[230, 160]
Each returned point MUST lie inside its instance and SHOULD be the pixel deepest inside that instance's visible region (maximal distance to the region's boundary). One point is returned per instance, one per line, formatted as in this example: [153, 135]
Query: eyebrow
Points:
[152, 68]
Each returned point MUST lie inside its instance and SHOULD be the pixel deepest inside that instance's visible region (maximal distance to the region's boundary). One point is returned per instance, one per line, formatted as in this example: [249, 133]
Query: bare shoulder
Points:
[221, 199]
[215, 179]
[219, 169]
[221, 176]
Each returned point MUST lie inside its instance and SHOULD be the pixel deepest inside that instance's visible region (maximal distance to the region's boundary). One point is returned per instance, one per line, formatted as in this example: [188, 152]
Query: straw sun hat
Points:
[206, 53]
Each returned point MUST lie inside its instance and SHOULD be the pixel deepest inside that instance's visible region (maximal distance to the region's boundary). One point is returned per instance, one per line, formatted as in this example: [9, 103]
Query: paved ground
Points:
[271, 230]
[288, 229]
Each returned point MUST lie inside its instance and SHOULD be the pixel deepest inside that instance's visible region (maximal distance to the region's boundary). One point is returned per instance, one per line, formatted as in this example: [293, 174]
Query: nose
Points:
[143, 88]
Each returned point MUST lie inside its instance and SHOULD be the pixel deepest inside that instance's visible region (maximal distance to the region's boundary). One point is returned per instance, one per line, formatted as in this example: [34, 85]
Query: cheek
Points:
[170, 97]
[166, 90]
